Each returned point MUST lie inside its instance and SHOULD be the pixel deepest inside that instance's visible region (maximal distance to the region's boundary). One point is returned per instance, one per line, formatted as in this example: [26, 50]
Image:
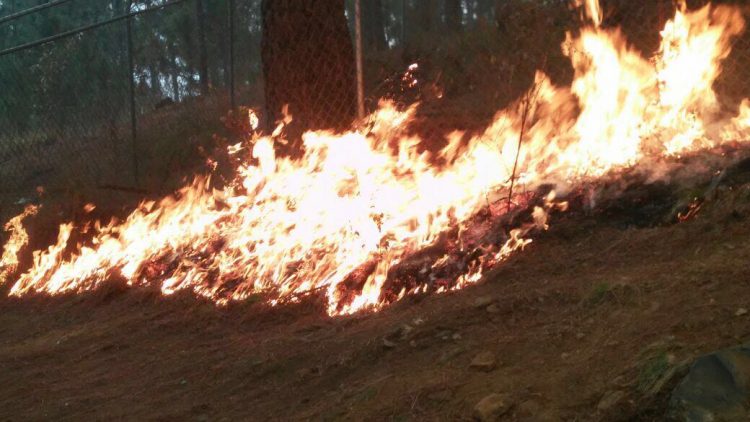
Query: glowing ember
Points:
[339, 219]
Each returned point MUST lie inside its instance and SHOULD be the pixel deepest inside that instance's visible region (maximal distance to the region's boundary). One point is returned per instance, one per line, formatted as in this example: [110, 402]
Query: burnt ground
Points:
[594, 307]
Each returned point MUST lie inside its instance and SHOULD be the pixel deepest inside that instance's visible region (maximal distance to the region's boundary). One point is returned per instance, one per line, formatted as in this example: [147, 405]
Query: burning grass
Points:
[366, 218]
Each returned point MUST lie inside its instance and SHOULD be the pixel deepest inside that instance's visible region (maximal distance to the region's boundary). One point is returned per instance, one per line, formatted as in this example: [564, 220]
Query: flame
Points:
[594, 12]
[737, 128]
[342, 217]
[18, 239]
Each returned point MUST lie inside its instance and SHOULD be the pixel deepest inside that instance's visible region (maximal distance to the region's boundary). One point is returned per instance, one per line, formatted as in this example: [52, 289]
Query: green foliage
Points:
[88, 73]
[617, 293]
[653, 370]
[599, 293]
[73, 94]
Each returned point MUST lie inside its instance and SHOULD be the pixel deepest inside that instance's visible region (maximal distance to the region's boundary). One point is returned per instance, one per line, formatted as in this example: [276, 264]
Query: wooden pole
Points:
[358, 48]
[133, 116]
[232, 94]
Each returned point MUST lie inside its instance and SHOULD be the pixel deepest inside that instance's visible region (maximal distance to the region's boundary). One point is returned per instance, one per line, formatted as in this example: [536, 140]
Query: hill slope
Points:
[589, 309]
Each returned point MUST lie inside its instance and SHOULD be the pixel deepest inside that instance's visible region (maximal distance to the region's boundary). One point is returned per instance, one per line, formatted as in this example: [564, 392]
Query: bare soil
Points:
[592, 307]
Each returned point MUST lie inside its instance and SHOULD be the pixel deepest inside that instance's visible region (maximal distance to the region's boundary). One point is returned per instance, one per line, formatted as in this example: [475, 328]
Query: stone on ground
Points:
[717, 388]
[484, 361]
[492, 407]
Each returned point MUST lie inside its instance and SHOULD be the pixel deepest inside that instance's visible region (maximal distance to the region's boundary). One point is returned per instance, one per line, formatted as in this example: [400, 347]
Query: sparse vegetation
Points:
[599, 293]
[652, 370]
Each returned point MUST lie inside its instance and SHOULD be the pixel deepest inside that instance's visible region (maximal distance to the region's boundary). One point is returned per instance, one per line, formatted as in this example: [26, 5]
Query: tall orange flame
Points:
[17, 240]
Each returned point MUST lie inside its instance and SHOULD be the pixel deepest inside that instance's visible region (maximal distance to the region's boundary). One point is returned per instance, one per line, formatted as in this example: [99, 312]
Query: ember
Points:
[367, 225]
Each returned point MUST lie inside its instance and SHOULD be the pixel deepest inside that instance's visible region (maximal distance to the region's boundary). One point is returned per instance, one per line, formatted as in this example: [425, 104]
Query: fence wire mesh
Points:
[52, 122]
[118, 106]
[73, 111]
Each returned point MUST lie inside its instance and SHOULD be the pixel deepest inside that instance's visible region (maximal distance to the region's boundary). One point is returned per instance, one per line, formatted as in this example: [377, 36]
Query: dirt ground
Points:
[593, 308]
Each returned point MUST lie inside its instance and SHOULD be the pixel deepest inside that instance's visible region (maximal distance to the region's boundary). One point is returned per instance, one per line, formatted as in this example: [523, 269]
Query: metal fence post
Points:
[358, 47]
[133, 117]
[403, 22]
[232, 95]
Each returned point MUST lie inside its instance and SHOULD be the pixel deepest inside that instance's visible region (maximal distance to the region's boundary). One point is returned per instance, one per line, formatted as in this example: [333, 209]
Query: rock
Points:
[304, 373]
[655, 306]
[405, 331]
[741, 312]
[529, 409]
[388, 344]
[717, 387]
[456, 337]
[484, 361]
[451, 353]
[580, 336]
[621, 381]
[666, 343]
[444, 334]
[564, 355]
[493, 309]
[441, 395]
[610, 400]
[401, 332]
[492, 407]
[483, 301]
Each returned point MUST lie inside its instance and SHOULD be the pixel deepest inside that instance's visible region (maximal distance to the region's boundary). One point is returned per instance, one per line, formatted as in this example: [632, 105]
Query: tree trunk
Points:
[373, 27]
[418, 20]
[154, 76]
[485, 9]
[453, 15]
[426, 12]
[404, 21]
[224, 51]
[471, 11]
[175, 75]
[200, 14]
[308, 63]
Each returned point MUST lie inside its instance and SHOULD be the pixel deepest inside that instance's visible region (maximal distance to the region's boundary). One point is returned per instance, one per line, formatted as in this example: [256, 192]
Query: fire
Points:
[686, 99]
[18, 239]
[357, 205]
[593, 10]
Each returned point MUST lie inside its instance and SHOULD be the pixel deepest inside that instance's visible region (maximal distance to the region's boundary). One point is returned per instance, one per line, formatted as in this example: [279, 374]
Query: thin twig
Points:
[525, 114]
[528, 100]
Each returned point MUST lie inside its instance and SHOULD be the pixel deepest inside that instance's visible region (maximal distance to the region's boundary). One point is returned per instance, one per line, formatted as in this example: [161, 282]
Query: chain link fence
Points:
[125, 100]
[50, 126]
[121, 99]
